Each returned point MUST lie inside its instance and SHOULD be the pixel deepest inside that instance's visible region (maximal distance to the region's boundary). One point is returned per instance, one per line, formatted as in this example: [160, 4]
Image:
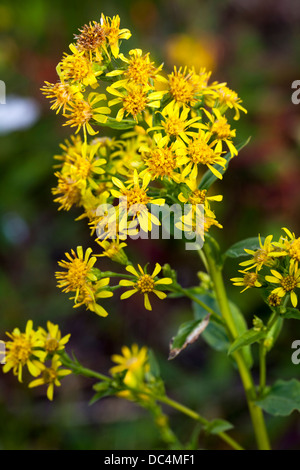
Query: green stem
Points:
[192, 414]
[199, 302]
[80, 370]
[246, 377]
[262, 367]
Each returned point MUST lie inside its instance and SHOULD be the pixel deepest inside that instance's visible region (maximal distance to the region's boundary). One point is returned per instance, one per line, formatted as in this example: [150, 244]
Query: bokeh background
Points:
[255, 47]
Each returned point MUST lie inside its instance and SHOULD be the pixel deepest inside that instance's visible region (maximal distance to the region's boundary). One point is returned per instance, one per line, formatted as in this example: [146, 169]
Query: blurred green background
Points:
[255, 47]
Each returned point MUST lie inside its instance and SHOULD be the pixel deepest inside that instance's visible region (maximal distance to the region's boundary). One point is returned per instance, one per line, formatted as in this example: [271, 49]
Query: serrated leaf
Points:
[218, 425]
[247, 338]
[282, 398]
[238, 249]
[209, 178]
[292, 313]
[187, 334]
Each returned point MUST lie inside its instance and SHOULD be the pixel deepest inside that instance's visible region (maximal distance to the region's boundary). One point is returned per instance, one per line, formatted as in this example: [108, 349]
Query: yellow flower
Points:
[225, 98]
[139, 70]
[77, 69]
[145, 283]
[50, 376]
[61, 94]
[133, 200]
[261, 257]
[197, 196]
[79, 272]
[113, 33]
[84, 165]
[52, 340]
[186, 86]
[289, 247]
[135, 362]
[114, 251]
[135, 99]
[89, 296]
[175, 123]
[221, 130]
[67, 191]
[288, 282]
[81, 112]
[24, 350]
[249, 280]
[200, 152]
[162, 160]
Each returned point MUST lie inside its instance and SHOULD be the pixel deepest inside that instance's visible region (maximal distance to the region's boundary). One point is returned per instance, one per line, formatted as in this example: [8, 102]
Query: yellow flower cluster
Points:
[276, 268]
[38, 350]
[174, 128]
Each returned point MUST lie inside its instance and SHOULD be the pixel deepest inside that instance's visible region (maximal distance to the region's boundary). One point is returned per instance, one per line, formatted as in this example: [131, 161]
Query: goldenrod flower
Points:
[67, 191]
[200, 152]
[249, 280]
[114, 251]
[186, 86]
[139, 70]
[261, 257]
[50, 376]
[221, 130]
[135, 99]
[52, 340]
[113, 33]
[145, 283]
[197, 196]
[61, 94]
[289, 247]
[76, 68]
[91, 38]
[134, 361]
[24, 349]
[81, 112]
[288, 282]
[133, 200]
[175, 123]
[162, 160]
[225, 98]
[79, 272]
[89, 296]
[274, 300]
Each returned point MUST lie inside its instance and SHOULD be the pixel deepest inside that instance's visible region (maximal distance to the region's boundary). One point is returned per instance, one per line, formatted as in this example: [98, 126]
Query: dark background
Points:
[255, 47]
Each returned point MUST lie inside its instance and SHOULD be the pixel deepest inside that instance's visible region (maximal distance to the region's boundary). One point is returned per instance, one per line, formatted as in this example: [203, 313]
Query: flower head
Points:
[249, 280]
[24, 349]
[145, 284]
[50, 376]
[288, 282]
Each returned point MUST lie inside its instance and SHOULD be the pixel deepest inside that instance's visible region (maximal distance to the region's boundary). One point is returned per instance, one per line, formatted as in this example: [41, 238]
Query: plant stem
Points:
[80, 370]
[262, 367]
[246, 377]
[192, 414]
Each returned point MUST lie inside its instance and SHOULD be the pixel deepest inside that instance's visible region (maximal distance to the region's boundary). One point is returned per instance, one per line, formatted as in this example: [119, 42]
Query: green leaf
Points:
[209, 178]
[114, 124]
[247, 338]
[282, 398]
[215, 334]
[238, 249]
[218, 425]
[292, 313]
[188, 333]
[103, 389]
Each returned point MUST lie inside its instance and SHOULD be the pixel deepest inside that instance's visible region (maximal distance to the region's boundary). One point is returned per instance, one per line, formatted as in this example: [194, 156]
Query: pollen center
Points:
[288, 283]
[161, 162]
[200, 152]
[250, 279]
[145, 283]
[135, 102]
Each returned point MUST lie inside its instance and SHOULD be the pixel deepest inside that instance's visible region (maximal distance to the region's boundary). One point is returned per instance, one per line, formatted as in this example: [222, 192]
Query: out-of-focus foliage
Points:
[255, 47]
